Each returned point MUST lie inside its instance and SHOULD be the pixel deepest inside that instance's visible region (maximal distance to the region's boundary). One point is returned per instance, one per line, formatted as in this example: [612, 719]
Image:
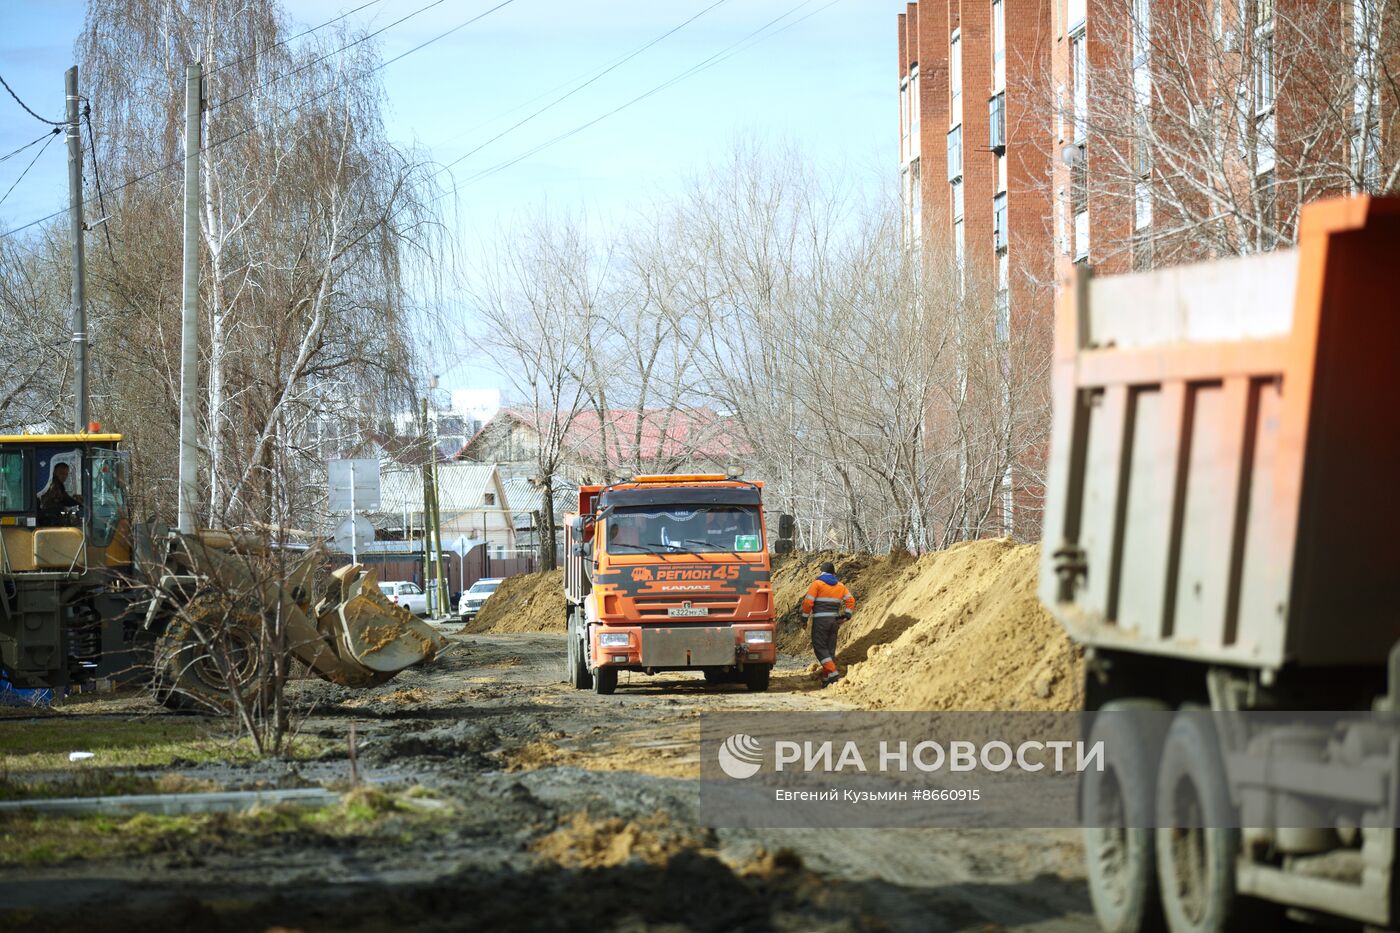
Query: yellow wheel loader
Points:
[85, 595]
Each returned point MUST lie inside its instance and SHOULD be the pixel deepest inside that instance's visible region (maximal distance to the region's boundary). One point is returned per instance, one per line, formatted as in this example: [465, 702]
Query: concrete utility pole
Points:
[432, 520]
[189, 319]
[75, 232]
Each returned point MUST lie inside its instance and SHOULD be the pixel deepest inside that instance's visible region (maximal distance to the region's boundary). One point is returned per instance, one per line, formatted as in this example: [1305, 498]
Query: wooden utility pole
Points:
[75, 232]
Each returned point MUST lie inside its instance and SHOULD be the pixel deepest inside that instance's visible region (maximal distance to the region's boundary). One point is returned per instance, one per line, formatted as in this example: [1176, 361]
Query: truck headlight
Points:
[614, 639]
[758, 638]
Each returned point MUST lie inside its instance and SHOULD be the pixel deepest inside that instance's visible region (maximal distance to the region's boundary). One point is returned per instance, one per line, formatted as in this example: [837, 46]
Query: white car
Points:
[406, 593]
[471, 601]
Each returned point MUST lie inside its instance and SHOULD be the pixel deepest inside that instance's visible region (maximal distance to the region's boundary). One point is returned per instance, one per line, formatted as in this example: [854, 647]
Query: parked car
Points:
[473, 599]
[406, 593]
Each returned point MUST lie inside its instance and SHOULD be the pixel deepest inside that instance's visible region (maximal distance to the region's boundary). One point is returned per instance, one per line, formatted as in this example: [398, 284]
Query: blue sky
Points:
[826, 83]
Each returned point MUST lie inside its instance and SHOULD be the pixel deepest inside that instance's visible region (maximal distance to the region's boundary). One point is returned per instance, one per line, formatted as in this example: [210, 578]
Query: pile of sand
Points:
[584, 842]
[956, 629]
[528, 602]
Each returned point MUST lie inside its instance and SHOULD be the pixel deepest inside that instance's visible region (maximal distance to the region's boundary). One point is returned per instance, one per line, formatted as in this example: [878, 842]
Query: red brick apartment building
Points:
[1128, 134]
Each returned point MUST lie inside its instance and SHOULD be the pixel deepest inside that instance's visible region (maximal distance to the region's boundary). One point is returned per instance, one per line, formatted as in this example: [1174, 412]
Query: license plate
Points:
[687, 612]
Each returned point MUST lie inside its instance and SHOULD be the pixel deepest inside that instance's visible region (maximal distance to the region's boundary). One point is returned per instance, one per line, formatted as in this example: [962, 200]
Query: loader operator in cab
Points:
[55, 498]
[827, 604]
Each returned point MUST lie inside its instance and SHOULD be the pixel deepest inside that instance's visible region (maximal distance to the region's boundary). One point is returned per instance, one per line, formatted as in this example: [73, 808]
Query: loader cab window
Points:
[108, 495]
[12, 498]
[724, 529]
[60, 481]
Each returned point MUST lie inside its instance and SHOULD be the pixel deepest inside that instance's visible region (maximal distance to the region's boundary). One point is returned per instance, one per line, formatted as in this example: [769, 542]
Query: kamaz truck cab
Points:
[65, 552]
[670, 573]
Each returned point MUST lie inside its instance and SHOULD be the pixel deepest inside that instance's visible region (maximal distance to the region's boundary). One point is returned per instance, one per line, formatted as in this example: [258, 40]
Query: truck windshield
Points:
[726, 529]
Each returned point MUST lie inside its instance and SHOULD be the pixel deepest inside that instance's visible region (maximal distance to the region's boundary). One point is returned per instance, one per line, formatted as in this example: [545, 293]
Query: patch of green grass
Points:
[44, 745]
[28, 839]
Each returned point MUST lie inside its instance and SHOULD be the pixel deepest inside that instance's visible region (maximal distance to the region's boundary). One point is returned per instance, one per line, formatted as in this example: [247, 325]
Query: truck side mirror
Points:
[782, 546]
[787, 527]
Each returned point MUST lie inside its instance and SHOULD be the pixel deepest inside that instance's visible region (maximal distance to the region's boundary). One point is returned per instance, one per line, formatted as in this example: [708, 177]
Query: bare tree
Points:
[536, 306]
[1204, 129]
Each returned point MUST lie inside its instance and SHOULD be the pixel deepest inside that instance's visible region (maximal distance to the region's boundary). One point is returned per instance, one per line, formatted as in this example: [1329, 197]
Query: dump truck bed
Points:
[1223, 452]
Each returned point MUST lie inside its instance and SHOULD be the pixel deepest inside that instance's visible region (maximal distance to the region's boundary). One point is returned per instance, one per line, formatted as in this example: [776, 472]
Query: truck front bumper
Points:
[677, 647]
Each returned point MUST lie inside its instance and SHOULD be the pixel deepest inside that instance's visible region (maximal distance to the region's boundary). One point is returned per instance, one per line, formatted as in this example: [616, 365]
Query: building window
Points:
[1268, 209]
[1142, 30]
[1075, 11]
[1264, 143]
[955, 153]
[1366, 134]
[489, 498]
[999, 222]
[958, 252]
[1081, 236]
[1003, 322]
[998, 44]
[916, 198]
[957, 199]
[1079, 66]
[904, 118]
[955, 79]
[1264, 68]
[1142, 205]
[997, 122]
[914, 109]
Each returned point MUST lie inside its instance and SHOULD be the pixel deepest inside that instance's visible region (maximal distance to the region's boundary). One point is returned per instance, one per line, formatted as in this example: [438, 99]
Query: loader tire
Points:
[756, 677]
[604, 680]
[1117, 804]
[186, 674]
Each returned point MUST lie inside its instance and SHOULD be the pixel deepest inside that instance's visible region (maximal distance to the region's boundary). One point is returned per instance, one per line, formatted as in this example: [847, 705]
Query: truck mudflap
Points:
[688, 646]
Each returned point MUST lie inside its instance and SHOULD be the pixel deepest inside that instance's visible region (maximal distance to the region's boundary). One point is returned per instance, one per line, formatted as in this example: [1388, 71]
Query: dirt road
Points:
[554, 809]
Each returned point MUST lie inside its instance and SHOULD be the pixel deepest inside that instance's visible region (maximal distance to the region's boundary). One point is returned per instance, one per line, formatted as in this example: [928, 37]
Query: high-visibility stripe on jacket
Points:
[827, 596]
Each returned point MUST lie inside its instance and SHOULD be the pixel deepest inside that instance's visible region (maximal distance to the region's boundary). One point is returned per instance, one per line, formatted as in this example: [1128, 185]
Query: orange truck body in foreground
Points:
[669, 573]
[1222, 533]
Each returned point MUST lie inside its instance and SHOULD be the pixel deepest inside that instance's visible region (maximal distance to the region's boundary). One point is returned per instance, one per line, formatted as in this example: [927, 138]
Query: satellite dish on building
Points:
[353, 533]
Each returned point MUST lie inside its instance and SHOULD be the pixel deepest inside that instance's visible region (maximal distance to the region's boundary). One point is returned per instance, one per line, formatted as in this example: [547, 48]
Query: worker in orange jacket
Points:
[827, 604]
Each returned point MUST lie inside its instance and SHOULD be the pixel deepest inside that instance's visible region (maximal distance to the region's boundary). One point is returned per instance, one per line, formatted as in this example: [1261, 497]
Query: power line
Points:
[723, 55]
[26, 106]
[97, 177]
[558, 100]
[52, 137]
[320, 58]
[53, 132]
[260, 123]
[300, 35]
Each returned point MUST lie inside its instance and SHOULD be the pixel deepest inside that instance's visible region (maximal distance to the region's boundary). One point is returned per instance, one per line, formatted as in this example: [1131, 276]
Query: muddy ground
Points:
[550, 809]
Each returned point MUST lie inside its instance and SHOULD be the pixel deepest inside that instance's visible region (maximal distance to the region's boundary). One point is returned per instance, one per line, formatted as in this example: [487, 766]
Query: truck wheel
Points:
[1195, 849]
[714, 677]
[604, 680]
[1119, 855]
[756, 677]
[578, 661]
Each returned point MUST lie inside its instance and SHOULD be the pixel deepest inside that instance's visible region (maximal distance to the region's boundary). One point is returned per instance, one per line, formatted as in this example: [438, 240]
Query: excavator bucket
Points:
[377, 633]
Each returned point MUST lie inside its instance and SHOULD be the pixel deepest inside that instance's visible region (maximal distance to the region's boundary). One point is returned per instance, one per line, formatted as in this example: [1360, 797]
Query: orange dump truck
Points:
[670, 573]
[1222, 534]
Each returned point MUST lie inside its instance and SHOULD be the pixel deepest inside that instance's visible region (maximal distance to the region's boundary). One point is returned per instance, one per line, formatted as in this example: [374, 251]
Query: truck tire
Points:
[1120, 860]
[1195, 849]
[604, 680]
[578, 659]
[756, 677]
